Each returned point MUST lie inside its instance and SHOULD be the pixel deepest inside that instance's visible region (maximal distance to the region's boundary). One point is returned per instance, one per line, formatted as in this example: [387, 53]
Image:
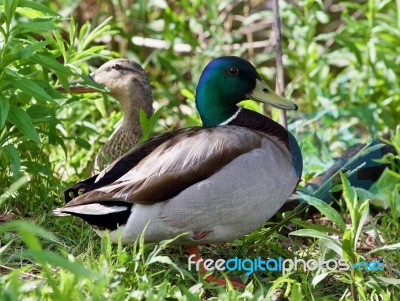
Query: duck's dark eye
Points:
[116, 66]
[233, 71]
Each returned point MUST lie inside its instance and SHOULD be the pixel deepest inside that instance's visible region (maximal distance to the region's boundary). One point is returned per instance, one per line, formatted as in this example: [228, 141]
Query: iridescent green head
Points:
[227, 81]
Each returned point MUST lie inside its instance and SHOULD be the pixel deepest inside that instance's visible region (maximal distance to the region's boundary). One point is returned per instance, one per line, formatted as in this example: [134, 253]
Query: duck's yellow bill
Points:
[263, 93]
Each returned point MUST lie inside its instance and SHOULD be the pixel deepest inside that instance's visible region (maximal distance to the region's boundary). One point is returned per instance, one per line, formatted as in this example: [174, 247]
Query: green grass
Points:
[67, 261]
[342, 68]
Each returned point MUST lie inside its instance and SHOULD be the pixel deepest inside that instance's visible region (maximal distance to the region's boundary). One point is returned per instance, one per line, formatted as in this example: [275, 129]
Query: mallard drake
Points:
[129, 84]
[217, 182]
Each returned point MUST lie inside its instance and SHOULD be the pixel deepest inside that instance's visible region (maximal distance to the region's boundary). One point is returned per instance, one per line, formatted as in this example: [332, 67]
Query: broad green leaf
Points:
[54, 136]
[372, 51]
[40, 113]
[4, 109]
[31, 88]
[106, 250]
[148, 124]
[314, 234]
[12, 189]
[387, 182]
[83, 143]
[383, 189]
[364, 211]
[88, 81]
[83, 32]
[22, 121]
[86, 54]
[35, 5]
[100, 105]
[72, 31]
[61, 44]
[155, 118]
[11, 152]
[317, 279]
[188, 94]
[317, 227]
[161, 259]
[364, 195]
[371, 148]
[34, 27]
[4, 248]
[10, 57]
[91, 35]
[350, 198]
[387, 280]
[51, 64]
[354, 50]
[144, 123]
[2, 21]
[326, 210]
[45, 257]
[31, 49]
[322, 17]
[163, 244]
[64, 81]
[385, 248]
[9, 9]
[38, 168]
[29, 12]
[348, 244]
[348, 191]
[296, 292]
[277, 283]
[329, 245]
[253, 105]
[29, 233]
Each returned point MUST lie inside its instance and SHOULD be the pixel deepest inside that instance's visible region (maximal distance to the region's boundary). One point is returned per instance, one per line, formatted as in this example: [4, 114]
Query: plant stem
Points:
[353, 287]
[279, 64]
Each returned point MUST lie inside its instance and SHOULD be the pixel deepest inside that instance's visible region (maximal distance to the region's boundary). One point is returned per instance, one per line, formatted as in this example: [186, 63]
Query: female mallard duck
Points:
[128, 83]
[217, 182]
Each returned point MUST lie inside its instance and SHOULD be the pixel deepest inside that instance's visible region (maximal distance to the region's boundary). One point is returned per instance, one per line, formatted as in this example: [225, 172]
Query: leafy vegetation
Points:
[342, 68]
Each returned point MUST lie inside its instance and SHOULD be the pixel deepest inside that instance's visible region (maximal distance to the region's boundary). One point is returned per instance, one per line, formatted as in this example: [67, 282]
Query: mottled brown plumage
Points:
[128, 83]
[134, 95]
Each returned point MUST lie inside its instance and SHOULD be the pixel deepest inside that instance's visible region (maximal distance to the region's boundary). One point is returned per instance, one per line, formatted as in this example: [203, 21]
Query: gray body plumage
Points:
[224, 209]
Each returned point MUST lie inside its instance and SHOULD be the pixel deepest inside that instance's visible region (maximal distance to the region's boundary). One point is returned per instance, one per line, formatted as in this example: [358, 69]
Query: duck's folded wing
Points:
[120, 166]
[175, 164]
